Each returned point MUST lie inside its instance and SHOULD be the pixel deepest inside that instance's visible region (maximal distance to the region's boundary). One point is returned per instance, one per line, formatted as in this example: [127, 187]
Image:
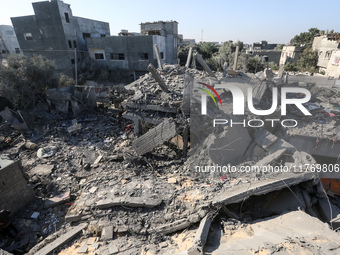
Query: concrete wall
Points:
[130, 46]
[324, 48]
[333, 68]
[170, 31]
[56, 33]
[290, 54]
[14, 191]
[272, 55]
[8, 41]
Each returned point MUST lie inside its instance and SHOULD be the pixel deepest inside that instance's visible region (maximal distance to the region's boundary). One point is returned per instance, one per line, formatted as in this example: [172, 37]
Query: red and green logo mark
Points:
[209, 93]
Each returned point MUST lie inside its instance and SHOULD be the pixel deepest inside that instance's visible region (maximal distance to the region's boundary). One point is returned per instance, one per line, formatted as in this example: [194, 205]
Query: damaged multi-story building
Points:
[265, 51]
[290, 54]
[8, 42]
[56, 34]
[133, 52]
[328, 48]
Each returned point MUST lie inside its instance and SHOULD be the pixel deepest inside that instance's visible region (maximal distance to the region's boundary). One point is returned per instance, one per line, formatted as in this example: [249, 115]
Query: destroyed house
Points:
[8, 42]
[134, 52]
[265, 51]
[56, 34]
[328, 50]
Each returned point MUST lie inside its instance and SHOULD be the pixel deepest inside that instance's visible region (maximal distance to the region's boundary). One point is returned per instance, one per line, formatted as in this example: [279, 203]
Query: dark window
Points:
[28, 36]
[143, 56]
[70, 44]
[4, 51]
[117, 56]
[86, 35]
[103, 35]
[74, 44]
[17, 50]
[162, 55]
[67, 17]
[99, 56]
[72, 61]
[328, 55]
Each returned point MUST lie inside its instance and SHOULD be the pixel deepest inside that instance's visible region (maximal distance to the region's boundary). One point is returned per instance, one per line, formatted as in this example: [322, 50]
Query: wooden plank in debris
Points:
[129, 202]
[157, 77]
[62, 240]
[155, 137]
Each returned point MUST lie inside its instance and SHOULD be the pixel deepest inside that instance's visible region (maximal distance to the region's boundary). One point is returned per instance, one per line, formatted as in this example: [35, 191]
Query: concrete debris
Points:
[154, 137]
[119, 178]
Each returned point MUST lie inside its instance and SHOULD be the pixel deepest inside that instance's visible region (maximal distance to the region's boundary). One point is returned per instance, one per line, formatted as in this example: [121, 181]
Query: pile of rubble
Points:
[120, 180]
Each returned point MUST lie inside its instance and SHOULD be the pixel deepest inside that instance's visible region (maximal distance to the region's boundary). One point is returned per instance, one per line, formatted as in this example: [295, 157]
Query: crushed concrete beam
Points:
[236, 57]
[201, 236]
[225, 67]
[155, 137]
[187, 93]
[61, 240]
[156, 108]
[107, 233]
[157, 77]
[204, 64]
[240, 192]
[158, 55]
[187, 64]
[129, 202]
[271, 158]
[264, 139]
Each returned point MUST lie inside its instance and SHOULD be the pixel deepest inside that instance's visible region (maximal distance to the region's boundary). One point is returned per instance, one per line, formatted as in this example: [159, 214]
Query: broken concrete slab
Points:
[113, 249]
[158, 55]
[204, 65]
[107, 233]
[57, 200]
[71, 233]
[157, 77]
[83, 249]
[293, 232]
[201, 236]
[155, 137]
[271, 158]
[41, 170]
[242, 191]
[129, 202]
[258, 91]
[187, 93]
[46, 152]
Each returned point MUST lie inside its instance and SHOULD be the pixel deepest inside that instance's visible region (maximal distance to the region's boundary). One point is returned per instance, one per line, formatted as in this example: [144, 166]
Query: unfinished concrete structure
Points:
[8, 42]
[290, 54]
[265, 51]
[56, 34]
[133, 52]
[14, 191]
[328, 49]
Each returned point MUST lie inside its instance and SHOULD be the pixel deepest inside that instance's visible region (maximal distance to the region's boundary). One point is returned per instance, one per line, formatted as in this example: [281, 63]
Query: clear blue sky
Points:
[247, 21]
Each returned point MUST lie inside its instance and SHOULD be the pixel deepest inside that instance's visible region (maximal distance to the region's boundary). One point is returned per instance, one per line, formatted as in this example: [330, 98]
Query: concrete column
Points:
[187, 65]
[204, 64]
[236, 57]
[157, 77]
[225, 67]
[193, 64]
[158, 55]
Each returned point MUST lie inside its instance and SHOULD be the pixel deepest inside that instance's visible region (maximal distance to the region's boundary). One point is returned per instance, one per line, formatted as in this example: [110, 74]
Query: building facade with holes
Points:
[133, 52]
[8, 42]
[56, 34]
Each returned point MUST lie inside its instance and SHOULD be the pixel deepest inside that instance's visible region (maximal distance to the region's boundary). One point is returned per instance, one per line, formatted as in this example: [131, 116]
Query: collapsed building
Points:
[124, 180]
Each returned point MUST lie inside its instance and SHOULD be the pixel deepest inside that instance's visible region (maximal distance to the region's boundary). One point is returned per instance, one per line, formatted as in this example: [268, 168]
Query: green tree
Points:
[25, 79]
[308, 60]
[306, 38]
[207, 49]
[255, 64]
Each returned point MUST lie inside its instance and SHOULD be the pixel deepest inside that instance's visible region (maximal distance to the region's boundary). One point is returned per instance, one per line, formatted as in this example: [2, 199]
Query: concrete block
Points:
[107, 233]
[113, 249]
[155, 137]
[83, 249]
[264, 139]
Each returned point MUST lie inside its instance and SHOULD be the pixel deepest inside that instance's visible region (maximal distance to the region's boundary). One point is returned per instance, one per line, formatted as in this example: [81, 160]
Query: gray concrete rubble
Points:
[123, 178]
